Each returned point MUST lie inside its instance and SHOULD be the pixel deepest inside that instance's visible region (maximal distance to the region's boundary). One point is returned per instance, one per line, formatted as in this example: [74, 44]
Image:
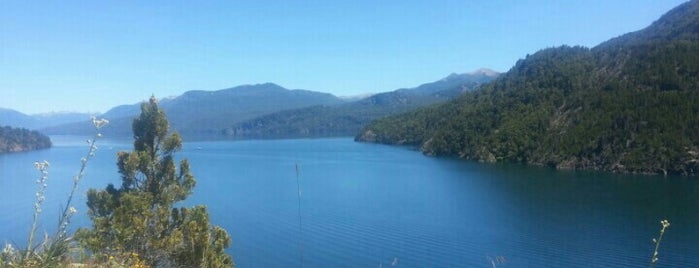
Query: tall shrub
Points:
[139, 219]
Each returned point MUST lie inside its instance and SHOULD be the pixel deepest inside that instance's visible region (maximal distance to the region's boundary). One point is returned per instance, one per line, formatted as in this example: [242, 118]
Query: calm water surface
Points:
[365, 205]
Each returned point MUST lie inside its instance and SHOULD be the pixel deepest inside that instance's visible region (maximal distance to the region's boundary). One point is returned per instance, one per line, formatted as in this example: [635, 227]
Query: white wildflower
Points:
[99, 123]
[665, 223]
[8, 250]
[41, 166]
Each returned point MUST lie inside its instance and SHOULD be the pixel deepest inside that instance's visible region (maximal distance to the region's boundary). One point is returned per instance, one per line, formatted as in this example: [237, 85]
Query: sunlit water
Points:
[365, 205]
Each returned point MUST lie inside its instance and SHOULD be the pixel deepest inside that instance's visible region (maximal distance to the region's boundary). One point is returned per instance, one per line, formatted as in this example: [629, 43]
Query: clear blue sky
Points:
[93, 55]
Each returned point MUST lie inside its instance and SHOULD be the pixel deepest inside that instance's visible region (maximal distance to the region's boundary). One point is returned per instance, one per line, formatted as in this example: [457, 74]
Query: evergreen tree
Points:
[138, 220]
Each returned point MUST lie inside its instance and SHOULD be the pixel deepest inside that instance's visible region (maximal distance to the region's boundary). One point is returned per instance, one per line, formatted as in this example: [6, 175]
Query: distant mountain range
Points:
[348, 118]
[207, 113]
[630, 104]
[14, 118]
[260, 111]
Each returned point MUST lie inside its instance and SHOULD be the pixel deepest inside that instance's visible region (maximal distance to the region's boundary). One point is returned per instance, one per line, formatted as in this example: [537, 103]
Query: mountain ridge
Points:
[626, 105]
[10, 117]
[199, 112]
[348, 118]
[203, 113]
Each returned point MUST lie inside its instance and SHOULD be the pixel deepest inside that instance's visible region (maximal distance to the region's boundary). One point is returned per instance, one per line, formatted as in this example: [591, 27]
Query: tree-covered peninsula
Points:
[20, 139]
[630, 104]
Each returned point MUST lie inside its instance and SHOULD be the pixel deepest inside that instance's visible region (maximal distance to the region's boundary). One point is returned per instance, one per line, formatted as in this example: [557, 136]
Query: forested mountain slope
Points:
[348, 118]
[630, 104]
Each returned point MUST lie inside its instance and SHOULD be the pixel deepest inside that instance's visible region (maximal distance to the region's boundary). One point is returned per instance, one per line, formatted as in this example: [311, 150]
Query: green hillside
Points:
[347, 119]
[630, 104]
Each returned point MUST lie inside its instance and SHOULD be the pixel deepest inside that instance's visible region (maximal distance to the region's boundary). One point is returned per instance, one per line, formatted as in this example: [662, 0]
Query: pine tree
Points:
[138, 221]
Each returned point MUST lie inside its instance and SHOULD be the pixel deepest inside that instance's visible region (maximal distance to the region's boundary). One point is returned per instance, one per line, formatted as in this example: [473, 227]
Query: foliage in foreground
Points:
[139, 218]
[54, 250]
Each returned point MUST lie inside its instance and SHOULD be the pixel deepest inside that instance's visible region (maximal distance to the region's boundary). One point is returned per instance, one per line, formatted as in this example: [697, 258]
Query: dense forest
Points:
[630, 104]
[20, 139]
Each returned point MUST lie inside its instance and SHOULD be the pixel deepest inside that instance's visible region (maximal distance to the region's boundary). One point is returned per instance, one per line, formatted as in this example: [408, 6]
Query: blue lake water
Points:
[366, 205]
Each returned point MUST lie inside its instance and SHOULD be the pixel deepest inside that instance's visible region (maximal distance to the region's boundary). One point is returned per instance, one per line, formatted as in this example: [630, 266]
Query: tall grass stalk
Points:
[665, 224]
[53, 249]
[43, 168]
[68, 210]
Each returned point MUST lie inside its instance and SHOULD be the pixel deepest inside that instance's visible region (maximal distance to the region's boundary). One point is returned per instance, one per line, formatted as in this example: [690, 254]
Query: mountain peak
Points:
[485, 71]
[266, 85]
[628, 105]
[468, 76]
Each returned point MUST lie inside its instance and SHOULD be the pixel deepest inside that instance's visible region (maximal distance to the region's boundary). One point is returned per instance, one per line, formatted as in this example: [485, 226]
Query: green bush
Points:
[140, 218]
